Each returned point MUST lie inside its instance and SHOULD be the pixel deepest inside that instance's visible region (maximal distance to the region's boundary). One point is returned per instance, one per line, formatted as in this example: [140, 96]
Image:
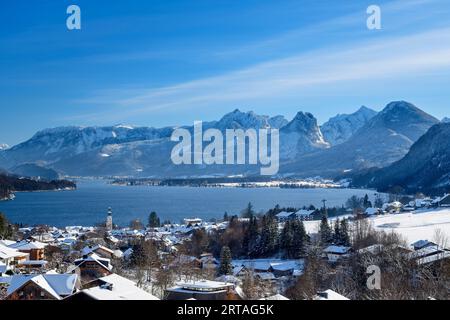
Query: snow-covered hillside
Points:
[420, 225]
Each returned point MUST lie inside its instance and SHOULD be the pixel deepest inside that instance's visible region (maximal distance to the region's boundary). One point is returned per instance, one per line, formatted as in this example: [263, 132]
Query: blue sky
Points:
[158, 63]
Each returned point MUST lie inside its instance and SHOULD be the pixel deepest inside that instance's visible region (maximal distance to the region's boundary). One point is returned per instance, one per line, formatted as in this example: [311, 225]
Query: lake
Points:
[89, 203]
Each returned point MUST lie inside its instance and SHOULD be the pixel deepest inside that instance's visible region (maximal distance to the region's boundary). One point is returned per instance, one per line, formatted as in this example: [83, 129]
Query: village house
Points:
[373, 250]
[111, 287]
[284, 216]
[193, 221]
[208, 261]
[305, 214]
[428, 252]
[300, 215]
[284, 268]
[11, 257]
[393, 207]
[35, 249]
[329, 295]
[420, 244]
[265, 276]
[334, 253]
[444, 201]
[99, 250]
[372, 212]
[41, 287]
[92, 267]
[202, 290]
[275, 297]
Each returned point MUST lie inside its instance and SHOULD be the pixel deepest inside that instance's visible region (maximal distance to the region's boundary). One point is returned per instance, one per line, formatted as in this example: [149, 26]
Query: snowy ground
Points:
[420, 225]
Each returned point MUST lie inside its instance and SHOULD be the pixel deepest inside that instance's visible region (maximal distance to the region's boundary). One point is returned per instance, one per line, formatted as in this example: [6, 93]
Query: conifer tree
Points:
[325, 233]
[299, 239]
[337, 237]
[345, 237]
[225, 267]
[286, 238]
[269, 235]
[248, 212]
[366, 202]
[251, 237]
[153, 220]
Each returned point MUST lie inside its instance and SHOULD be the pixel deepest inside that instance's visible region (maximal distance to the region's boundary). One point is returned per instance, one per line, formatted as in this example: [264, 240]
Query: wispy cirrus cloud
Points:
[394, 57]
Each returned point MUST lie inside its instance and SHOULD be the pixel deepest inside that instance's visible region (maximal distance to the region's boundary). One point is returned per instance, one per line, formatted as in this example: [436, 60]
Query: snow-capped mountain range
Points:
[384, 139]
[340, 128]
[301, 135]
[344, 142]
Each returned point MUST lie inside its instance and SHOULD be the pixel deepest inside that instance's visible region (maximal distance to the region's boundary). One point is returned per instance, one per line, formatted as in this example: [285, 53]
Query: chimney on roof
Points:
[107, 286]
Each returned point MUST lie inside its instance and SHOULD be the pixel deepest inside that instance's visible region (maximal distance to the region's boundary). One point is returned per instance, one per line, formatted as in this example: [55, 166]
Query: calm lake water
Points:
[89, 203]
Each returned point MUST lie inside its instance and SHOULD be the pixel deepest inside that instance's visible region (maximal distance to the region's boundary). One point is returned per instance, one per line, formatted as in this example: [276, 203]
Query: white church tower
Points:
[109, 221]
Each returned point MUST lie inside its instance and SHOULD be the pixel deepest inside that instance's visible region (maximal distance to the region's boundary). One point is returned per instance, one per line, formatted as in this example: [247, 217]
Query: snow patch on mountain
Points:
[340, 128]
[301, 135]
[247, 120]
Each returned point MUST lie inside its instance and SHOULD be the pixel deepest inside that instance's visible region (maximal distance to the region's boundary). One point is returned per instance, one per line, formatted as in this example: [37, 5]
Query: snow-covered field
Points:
[420, 225]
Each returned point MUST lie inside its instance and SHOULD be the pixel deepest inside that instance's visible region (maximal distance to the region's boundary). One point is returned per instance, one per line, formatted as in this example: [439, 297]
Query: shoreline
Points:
[13, 193]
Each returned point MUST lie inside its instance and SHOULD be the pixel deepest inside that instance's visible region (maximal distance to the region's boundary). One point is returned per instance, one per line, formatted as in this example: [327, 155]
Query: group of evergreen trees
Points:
[153, 220]
[263, 239]
[357, 203]
[339, 235]
[293, 239]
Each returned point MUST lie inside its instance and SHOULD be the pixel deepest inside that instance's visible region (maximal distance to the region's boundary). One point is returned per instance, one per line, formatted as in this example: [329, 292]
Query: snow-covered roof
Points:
[39, 263]
[304, 213]
[330, 295]
[87, 250]
[444, 197]
[422, 243]
[8, 253]
[434, 257]
[57, 285]
[267, 264]
[373, 249]
[7, 243]
[237, 270]
[426, 251]
[337, 249]
[275, 297]
[228, 279]
[284, 265]
[115, 287]
[28, 245]
[265, 275]
[94, 257]
[203, 284]
[284, 214]
[371, 211]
